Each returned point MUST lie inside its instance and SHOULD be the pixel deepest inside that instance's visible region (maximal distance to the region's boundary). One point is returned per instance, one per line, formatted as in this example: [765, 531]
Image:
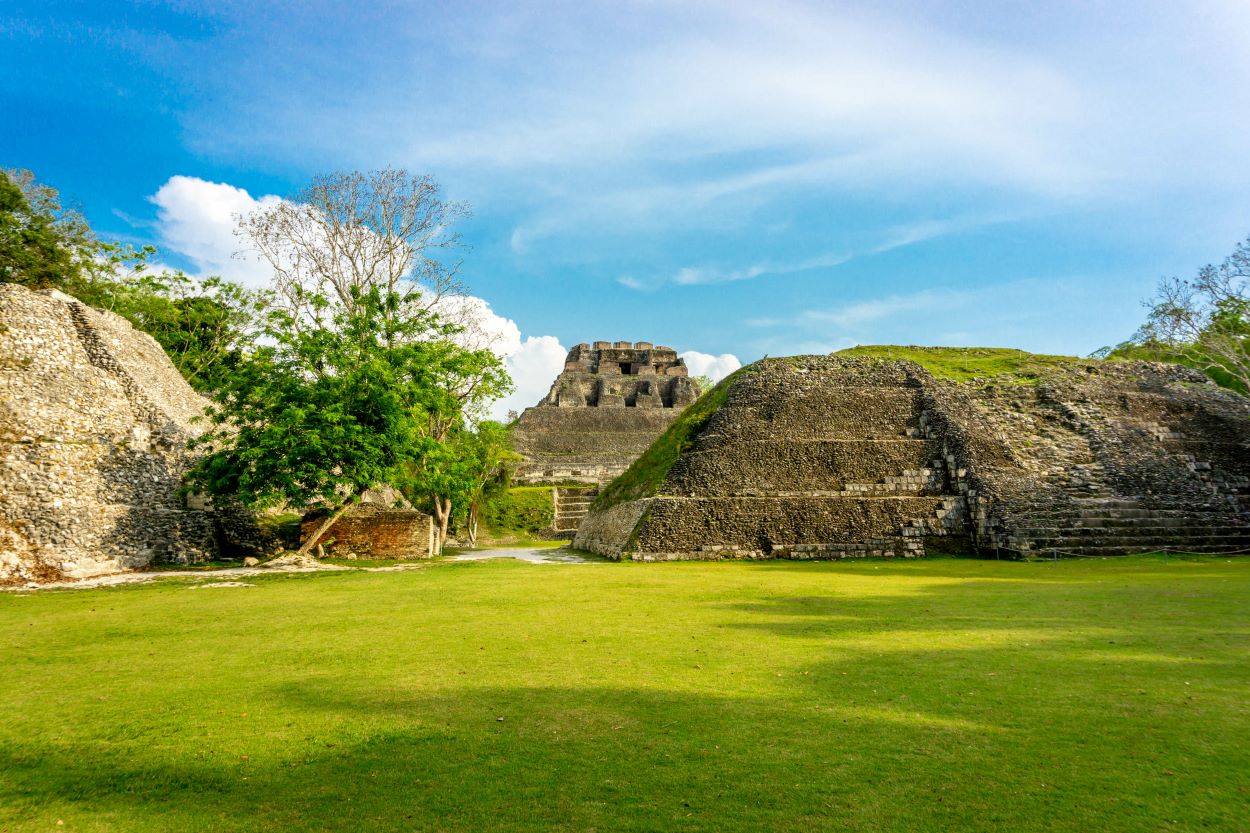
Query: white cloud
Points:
[483, 328]
[534, 366]
[532, 362]
[714, 367]
[196, 218]
[893, 238]
[856, 315]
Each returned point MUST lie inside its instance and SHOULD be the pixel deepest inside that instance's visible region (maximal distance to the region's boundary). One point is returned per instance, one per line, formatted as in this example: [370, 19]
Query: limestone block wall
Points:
[370, 531]
[94, 421]
[808, 458]
[1106, 458]
[609, 531]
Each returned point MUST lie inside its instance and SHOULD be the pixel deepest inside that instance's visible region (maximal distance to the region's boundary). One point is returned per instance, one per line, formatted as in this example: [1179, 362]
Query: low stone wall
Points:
[607, 532]
[368, 531]
[772, 465]
[776, 526]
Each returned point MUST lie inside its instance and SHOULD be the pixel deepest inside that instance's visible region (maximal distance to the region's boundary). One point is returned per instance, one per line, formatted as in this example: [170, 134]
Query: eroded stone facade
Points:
[610, 402]
[829, 457]
[94, 423]
[373, 531]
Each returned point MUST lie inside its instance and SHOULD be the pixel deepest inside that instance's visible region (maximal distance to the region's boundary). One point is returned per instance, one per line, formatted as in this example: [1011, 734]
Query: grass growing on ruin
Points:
[645, 476]
[944, 694]
[519, 510]
[966, 363]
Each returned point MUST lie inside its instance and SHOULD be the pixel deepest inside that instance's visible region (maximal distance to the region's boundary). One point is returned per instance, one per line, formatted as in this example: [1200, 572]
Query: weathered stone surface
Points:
[609, 404]
[826, 457]
[94, 422]
[369, 530]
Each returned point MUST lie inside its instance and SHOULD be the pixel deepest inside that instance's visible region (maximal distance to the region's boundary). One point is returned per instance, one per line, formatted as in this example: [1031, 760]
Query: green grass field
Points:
[937, 695]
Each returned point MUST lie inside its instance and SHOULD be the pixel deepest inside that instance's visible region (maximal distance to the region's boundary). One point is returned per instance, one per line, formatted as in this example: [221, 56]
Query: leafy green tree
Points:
[314, 417]
[33, 244]
[460, 474]
[444, 479]
[204, 325]
[1203, 323]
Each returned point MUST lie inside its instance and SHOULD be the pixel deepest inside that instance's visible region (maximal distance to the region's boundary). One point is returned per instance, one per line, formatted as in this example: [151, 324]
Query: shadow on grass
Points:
[966, 702]
[861, 742]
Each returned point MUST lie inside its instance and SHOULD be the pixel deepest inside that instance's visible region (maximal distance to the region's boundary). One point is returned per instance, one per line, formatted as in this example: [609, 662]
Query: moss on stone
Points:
[523, 510]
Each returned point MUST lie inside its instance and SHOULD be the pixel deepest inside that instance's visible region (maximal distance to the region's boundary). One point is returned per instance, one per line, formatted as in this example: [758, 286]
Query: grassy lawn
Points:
[936, 695]
[964, 364]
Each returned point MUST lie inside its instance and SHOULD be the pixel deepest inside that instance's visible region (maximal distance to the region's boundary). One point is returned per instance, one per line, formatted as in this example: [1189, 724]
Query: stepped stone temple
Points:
[832, 457]
[607, 406]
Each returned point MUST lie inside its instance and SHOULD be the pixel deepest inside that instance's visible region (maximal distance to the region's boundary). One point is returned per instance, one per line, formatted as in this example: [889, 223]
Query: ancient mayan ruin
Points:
[610, 402]
[94, 422]
[830, 457]
[803, 457]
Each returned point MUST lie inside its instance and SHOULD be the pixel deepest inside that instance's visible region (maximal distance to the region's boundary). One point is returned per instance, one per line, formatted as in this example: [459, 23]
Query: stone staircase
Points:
[1084, 515]
[824, 460]
[572, 504]
[1118, 526]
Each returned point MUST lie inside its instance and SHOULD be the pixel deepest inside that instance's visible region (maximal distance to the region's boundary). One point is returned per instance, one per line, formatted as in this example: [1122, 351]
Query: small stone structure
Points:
[831, 457]
[610, 402]
[94, 423]
[372, 531]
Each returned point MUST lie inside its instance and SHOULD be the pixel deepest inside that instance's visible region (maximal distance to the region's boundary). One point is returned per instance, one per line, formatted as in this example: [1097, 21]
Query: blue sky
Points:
[727, 178]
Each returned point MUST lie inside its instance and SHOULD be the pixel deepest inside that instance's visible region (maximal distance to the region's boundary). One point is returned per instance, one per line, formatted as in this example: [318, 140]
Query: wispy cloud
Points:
[894, 238]
[856, 315]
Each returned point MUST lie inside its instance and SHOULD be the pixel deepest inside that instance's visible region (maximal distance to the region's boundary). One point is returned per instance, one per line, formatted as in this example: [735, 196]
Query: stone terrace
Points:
[826, 457]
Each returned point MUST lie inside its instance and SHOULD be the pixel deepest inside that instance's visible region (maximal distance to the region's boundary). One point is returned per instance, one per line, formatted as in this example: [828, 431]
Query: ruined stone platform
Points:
[94, 422]
[832, 457]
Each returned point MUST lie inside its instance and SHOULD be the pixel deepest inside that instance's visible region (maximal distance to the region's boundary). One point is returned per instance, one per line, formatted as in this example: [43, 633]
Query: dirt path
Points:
[229, 576]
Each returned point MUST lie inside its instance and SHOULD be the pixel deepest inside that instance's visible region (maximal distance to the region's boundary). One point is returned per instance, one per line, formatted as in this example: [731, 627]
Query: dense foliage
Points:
[35, 248]
[315, 417]
[519, 510]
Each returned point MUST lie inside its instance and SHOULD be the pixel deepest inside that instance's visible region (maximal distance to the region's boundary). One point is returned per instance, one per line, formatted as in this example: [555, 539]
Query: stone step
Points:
[1153, 522]
[1123, 549]
[772, 494]
[1132, 542]
[1130, 534]
[1060, 515]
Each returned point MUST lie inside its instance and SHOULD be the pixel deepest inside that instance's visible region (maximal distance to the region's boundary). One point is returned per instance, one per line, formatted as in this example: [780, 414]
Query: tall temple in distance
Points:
[622, 375]
[612, 400]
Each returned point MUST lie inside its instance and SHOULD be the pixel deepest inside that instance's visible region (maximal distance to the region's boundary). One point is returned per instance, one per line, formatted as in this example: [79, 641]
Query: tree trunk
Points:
[472, 526]
[444, 517]
[307, 546]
